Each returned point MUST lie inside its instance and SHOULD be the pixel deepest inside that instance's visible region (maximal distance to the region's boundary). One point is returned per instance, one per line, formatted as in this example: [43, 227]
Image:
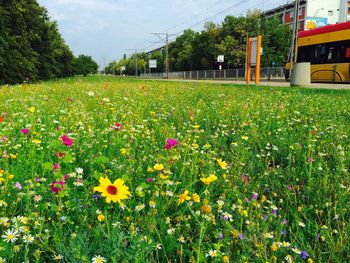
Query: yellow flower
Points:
[245, 138]
[226, 259]
[206, 209]
[195, 126]
[32, 109]
[113, 192]
[274, 247]
[211, 178]
[196, 198]
[163, 176]
[158, 167]
[222, 164]
[100, 217]
[183, 197]
[123, 151]
[309, 260]
[152, 204]
[150, 169]
[36, 141]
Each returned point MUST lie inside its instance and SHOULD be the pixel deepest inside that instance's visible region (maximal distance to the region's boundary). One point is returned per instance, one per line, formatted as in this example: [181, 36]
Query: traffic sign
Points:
[221, 58]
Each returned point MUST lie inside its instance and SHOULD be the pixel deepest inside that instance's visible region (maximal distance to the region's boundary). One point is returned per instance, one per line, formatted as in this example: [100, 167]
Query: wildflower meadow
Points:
[101, 169]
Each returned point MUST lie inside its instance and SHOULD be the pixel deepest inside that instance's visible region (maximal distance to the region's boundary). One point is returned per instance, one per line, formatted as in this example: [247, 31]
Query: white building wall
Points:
[324, 9]
[343, 11]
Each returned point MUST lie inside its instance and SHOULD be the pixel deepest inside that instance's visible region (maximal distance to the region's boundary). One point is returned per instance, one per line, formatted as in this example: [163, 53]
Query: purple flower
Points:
[265, 217]
[274, 212]
[150, 180]
[283, 232]
[254, 196]
[220, 236]
[171, 143]
[304, 254]
[284, 221]
[18, 185]
[241, 236]
[96, 196]
[226, 216]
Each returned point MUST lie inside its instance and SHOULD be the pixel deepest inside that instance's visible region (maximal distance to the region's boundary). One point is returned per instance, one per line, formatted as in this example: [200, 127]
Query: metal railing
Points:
[267, 74]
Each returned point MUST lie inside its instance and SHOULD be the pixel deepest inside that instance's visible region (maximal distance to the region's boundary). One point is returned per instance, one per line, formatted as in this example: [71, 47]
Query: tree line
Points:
[199, 50]
[31, 47]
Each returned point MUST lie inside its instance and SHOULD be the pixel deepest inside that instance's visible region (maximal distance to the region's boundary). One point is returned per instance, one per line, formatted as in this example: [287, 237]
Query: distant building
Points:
[313, 13]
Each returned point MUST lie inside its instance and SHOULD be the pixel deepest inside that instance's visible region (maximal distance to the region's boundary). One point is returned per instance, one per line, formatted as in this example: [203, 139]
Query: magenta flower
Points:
[56, 166]
[118, 126]
[25, 131]
[170, 143]
[57, 187]
[150, 180]
[18, 185]
[66, 140]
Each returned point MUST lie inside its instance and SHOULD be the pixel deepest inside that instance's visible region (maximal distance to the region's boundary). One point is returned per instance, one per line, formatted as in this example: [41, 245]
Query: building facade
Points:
[313, 13]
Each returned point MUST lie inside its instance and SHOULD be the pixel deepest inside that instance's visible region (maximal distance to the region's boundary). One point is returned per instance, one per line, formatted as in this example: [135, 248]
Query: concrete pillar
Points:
[301, 74]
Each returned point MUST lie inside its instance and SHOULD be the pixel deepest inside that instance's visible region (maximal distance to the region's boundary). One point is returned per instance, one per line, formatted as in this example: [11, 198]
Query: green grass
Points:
[287, 177]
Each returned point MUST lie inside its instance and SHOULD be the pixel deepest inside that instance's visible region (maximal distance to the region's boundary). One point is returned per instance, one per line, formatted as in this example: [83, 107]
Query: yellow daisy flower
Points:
[113, 192]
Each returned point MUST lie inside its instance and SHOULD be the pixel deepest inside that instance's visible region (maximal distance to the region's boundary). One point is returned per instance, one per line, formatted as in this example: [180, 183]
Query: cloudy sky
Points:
[105, 29]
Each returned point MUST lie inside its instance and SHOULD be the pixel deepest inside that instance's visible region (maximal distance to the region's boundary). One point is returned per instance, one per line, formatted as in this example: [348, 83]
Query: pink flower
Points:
[18, 185]
[25, 131]
[170, 143]
[57, 187]
[66, 140]
[56, 166]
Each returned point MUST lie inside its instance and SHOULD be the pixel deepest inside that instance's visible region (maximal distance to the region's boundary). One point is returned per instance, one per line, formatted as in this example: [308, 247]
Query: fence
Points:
[273, 74]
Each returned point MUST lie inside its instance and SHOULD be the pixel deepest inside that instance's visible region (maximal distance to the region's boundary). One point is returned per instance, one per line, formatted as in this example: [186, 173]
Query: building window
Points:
[330, 12]
[300, 12]
[291, 14]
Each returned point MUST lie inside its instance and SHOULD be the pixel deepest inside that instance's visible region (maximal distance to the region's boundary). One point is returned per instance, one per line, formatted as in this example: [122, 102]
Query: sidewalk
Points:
[263, 83]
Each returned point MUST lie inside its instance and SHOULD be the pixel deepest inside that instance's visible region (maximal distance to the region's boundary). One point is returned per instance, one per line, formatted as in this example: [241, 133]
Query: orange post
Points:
[249, 57]
[258, 54]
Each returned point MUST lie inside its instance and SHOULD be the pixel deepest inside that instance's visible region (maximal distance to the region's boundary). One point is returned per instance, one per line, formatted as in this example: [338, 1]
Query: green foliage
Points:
[31, 47]
[84, 65]
[199, 50]
[280, 156]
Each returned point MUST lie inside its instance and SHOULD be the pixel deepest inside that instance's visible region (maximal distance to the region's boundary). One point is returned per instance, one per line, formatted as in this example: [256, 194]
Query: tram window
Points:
[347, 53]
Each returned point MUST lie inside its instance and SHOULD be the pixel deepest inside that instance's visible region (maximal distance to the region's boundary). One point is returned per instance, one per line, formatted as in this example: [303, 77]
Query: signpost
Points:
[221, 59]
[254, 51]
[122, 68]
[152, 64]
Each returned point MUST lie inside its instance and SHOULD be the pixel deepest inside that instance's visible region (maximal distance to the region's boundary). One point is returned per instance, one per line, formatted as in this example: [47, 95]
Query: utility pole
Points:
[293, 57]
[135, 53]
[166, 41]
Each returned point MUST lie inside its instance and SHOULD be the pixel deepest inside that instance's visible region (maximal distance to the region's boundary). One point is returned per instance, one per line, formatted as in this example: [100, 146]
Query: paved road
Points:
[270, 84]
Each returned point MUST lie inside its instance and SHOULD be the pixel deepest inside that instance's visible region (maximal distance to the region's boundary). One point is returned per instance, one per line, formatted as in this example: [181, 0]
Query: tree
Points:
[31, 47]
[84, 65]
[276, 41]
